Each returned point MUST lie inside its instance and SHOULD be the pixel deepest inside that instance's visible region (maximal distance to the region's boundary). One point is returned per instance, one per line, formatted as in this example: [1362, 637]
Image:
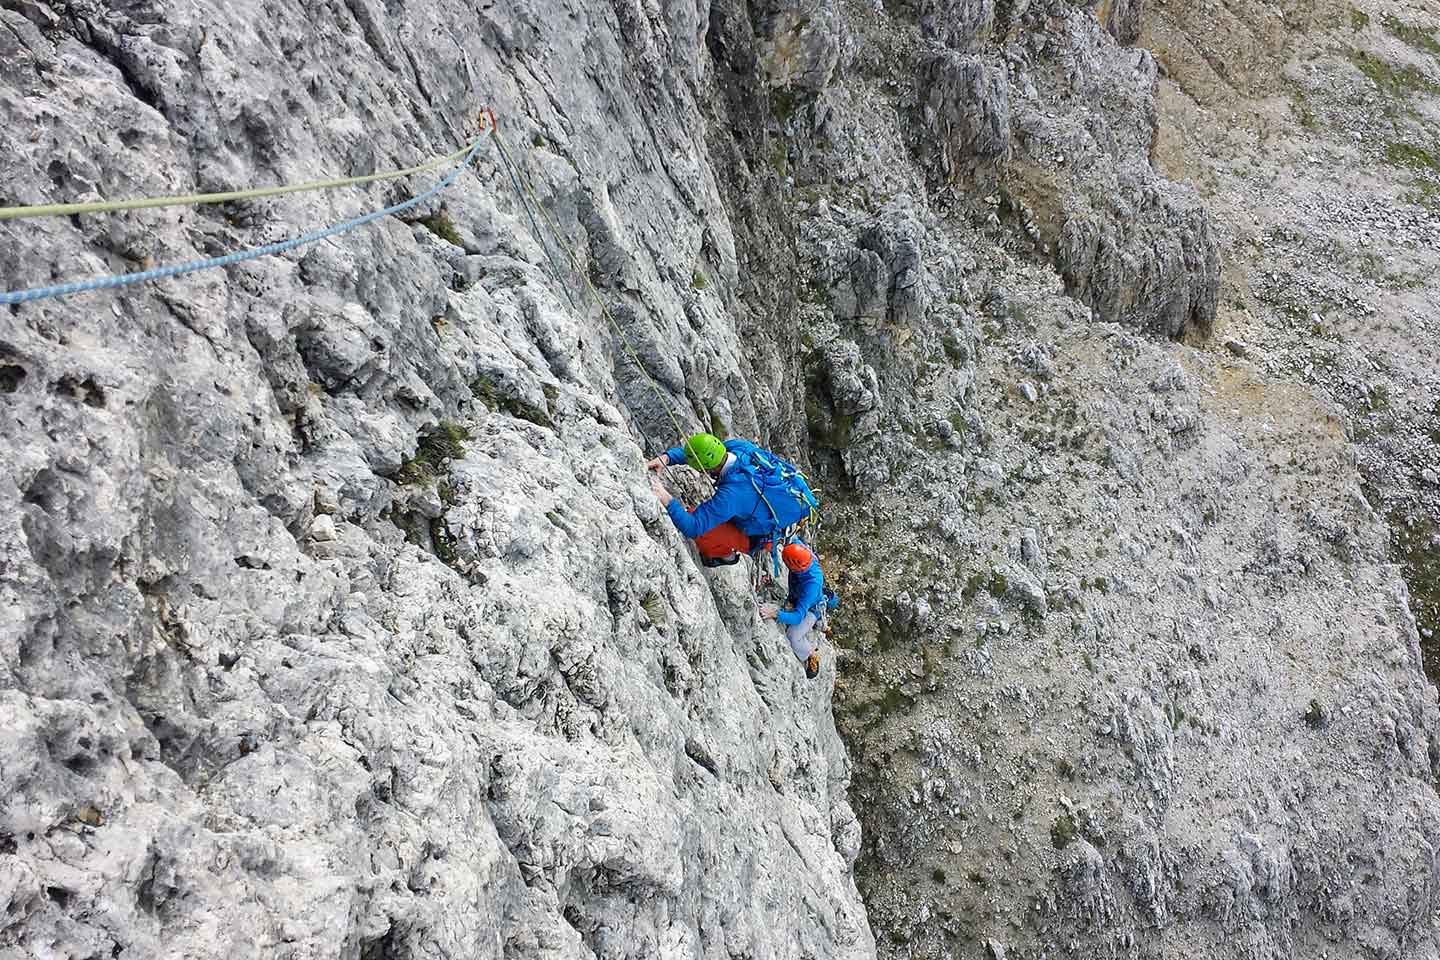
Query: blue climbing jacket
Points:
[738, 496]
[807, 593]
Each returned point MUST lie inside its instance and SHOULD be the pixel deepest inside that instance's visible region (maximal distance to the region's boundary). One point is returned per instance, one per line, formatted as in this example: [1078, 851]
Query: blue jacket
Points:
[807, 591]
[735, 499]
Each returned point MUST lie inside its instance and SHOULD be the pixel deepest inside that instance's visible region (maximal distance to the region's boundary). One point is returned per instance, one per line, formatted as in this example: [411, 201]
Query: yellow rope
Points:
[585, 275]
[110, 206]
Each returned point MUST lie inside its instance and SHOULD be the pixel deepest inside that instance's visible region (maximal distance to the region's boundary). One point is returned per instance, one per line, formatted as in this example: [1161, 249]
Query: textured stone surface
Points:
[1110, 602]
[1305, 150]
[338, 620]
[967, 104]
[802, 43]
[1178, 736]
[961, 24]
[1122, 18]
[1135, 247]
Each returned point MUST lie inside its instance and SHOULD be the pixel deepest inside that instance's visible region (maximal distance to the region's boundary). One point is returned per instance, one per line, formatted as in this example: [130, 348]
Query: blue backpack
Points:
[783, 489]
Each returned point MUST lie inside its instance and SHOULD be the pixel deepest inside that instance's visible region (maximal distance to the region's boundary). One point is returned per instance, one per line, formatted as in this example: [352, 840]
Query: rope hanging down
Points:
[584, 275]
[511, 173]
[270, 249]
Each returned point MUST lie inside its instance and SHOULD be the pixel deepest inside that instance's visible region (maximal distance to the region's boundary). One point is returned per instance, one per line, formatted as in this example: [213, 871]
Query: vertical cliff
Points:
[337, 618]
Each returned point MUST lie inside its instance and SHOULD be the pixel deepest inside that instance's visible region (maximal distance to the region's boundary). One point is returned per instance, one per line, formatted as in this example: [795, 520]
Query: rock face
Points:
[1135, 247]
[965, 112]
[1109, 599]
[1357, 322]
[1050, 757]
[337, 617]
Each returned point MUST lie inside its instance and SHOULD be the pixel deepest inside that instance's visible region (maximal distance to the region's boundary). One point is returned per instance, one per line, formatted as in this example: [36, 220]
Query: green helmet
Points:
[704, 451]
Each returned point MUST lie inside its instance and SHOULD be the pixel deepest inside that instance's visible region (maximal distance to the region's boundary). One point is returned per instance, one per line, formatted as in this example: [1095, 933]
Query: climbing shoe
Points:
[812, 666]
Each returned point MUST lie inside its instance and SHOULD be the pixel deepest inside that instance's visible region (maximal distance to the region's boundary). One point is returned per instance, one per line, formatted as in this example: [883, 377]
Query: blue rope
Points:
[270, 249]
[534, 227]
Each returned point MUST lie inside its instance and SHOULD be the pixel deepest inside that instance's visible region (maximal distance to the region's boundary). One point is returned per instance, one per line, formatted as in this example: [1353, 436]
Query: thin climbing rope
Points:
[519, 180]
[196, 199]
[529, 188]
[174, 270]
[535, 227]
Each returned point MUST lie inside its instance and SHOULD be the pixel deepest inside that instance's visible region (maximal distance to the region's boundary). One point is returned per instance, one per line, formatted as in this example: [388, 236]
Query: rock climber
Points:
[806, 601]
[743, 513]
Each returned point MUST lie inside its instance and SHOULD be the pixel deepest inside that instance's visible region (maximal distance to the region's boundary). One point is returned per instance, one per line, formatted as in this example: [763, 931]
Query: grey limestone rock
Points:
[844, 411]
[1023, 588]
[338, 620]
[965, 111]
[1122, 18]
[803, 43]
[1136, 248]
[961, 24]
[893, 272]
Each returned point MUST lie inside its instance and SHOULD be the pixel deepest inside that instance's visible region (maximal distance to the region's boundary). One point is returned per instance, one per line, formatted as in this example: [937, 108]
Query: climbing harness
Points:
[830, 600]
[270, 249]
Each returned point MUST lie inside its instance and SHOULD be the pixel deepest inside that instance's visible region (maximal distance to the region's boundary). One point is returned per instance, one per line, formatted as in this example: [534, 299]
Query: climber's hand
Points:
[663, 495]
[768, 611]
[659, 463]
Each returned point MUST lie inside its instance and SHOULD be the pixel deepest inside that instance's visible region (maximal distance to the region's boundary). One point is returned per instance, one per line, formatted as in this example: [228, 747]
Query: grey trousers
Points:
[799, 636]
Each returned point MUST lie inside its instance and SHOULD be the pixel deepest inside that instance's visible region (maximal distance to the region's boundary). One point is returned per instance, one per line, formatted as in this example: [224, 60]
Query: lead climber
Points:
[758, 497]
[807, 601]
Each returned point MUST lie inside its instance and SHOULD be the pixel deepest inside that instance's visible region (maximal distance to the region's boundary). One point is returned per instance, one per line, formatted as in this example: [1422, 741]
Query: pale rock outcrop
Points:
[338, 618]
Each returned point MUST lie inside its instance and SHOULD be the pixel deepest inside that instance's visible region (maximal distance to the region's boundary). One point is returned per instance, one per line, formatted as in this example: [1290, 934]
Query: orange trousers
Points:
[722, 542]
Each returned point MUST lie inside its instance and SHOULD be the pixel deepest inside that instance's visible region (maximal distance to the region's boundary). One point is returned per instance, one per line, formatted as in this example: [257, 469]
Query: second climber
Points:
[806, 602]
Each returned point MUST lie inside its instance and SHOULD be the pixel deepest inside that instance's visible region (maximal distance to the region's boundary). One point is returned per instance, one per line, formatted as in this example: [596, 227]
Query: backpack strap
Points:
[759, 492]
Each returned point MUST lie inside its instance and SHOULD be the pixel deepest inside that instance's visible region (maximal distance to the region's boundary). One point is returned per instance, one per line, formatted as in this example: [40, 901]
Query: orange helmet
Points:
[797, 557]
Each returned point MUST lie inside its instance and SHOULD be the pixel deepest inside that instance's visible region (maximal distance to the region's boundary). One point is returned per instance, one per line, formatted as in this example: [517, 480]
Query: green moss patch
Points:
[439, 446]
[490, 394]
[440, 224]
[1062, 831]
[994, 583]
[871, 713]
[1397, 81]
[1412, 545]
[1421, 38]
[829, 428]
[1411, 156]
